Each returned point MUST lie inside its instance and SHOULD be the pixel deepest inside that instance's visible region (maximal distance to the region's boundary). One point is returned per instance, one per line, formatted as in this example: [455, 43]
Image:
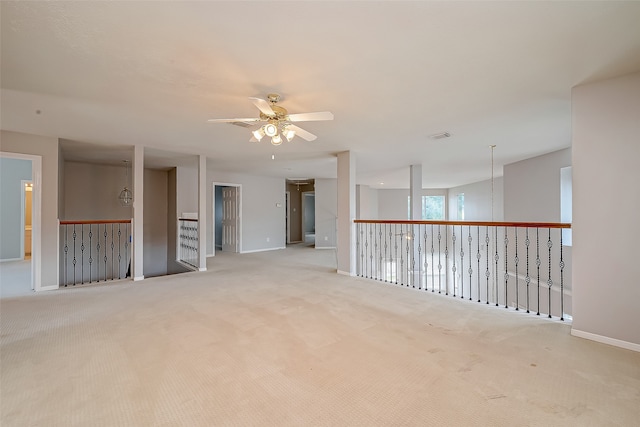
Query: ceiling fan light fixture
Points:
[258, 134]
[270, 129]
[276, 140]
[289, 134]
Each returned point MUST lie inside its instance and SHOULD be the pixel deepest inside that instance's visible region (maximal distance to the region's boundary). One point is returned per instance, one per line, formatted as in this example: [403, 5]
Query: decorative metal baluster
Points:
[527, 242]
[82, 254]
[433, 276]
[386, 263]
[371, 247]
[418, 235]
[112, 256]
[470, 239]
[426, 262]
[395, 244]
[90, 257]
[98, 254]
[74, 254]
[479, 257]
[380, 258]
[66, 254]
[366, 249]
[538, 262]
[506, 271]
[119, 252]
[439, 261]
[409, 255]
[487, 272]
[401, 255]
[358, 265]
[105, 252]
[561, 280]
[516, 260]
[497, 257]
[549, 282]
[453, 268]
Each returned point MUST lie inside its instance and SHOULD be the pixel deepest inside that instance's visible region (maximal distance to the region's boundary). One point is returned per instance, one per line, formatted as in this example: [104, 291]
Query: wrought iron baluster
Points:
[98, 254]
[112, 257]
[497, 257]
[105, 252]
[506, 271]
[426, 262]
[453, 268]
[66, 254]
[380, 258]
[409, 255]
[549, 282]
[395, 244]
[361, 250]
[479, 257]
[119, 252]
[433, 276]
[470, 239]
[90, 257]
[418, 235]
[561, 280]
[516, 260]
[439, 261]
[401, 255]
[527, 242]
[487, 272]
[74, 254]
[538, 262]
[82, 254]
[386, 262]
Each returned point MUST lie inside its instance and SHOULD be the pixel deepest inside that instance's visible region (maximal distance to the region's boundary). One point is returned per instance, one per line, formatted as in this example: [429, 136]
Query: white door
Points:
[230, 219]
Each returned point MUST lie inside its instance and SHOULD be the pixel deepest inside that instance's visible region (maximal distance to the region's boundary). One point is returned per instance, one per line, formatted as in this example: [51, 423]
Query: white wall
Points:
[606, 202]
[366, 202]
[532, 187]
[12, 172]
[187, 189]
[46, 147]
[262, 210]
[477, 200]
[326, 212]
[393, 203]
[155, 229]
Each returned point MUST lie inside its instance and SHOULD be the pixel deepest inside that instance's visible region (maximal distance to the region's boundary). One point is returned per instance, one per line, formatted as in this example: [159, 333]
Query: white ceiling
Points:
[393, 73]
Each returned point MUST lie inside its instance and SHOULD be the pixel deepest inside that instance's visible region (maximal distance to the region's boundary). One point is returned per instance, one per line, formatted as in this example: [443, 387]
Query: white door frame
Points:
[302, 212]
[36, 218]
[287, 200]
[213, 214]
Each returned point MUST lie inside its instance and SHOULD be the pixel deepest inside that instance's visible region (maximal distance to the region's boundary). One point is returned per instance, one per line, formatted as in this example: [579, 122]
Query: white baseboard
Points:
[48, 288]
[606, 340]
[261, 250]
[11, 259]
[135, 279]
[202, 269]
[346, 273]
[325, 247]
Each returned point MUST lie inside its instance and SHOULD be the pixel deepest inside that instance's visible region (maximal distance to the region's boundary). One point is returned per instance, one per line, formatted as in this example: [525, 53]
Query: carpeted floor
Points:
[279, 339]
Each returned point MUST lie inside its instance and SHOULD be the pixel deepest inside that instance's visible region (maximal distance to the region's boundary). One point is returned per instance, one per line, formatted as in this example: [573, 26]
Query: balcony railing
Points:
[188, 242]
[523, 266]
[94, 251]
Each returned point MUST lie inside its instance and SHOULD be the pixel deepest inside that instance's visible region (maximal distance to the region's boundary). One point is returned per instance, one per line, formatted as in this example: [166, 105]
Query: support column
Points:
[202, 213]
[415, 213]
[138, 214]
[345, 241]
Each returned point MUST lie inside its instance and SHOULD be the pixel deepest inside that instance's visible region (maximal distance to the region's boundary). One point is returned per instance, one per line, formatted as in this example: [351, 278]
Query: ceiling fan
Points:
[276, 122]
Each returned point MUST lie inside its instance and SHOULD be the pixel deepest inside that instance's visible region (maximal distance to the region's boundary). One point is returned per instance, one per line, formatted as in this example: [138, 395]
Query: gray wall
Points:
[393, 203]
[91, 191]
[155, 222]
[532, 187]
[46, 147]
[366, 202]
[606, 202]
[262, 210]
[12, 172]
[326, 212]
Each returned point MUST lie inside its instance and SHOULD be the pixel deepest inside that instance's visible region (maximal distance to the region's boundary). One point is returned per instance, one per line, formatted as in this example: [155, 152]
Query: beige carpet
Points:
[279, 339]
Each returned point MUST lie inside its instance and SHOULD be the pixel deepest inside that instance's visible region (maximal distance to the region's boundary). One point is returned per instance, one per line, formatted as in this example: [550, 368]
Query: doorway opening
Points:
[20, 254]
[300, 212]
[227, 217]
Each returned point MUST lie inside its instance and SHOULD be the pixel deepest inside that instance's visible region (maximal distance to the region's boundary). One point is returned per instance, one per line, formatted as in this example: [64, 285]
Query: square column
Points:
[138, 214]
[346, 213]
[202, 213]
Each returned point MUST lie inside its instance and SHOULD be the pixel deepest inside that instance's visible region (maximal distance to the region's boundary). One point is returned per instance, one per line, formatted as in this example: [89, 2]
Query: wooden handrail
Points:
[470, 223]
[97, 221]
[188, 219]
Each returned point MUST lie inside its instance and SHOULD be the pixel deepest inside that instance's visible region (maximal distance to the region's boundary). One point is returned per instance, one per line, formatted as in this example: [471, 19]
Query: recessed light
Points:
[382, 183]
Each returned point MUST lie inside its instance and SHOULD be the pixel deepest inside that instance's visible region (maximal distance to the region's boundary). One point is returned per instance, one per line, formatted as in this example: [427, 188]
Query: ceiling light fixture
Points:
[126, 196]
[276, 140]
[288, 133]
[258, 134]
[270, 129]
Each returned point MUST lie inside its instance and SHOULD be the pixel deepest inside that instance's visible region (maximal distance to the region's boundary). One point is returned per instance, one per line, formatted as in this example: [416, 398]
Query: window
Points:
[461, 207]
[432, 207]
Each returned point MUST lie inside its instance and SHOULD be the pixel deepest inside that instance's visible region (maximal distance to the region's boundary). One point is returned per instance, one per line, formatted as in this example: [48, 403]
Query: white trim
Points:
[49, 288]
[346, 273]
[202, 269]
[36, 220]
[11, 259]
[262, 250]
[325, 247]
[136, 279]
[213, 215]
[605, 340]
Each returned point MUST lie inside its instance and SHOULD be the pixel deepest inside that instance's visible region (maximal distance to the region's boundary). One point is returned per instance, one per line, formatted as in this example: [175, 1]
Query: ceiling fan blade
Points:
[263, 106]
[302, 133]
[311, 117]
[248, 120]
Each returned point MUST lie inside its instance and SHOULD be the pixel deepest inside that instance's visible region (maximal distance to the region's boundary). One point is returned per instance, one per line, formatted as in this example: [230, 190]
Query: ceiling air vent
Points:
[440, 135]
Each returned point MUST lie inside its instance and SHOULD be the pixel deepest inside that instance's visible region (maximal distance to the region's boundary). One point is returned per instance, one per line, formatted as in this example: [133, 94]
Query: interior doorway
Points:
[309, 217]
[227, 217]
[20, 257]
